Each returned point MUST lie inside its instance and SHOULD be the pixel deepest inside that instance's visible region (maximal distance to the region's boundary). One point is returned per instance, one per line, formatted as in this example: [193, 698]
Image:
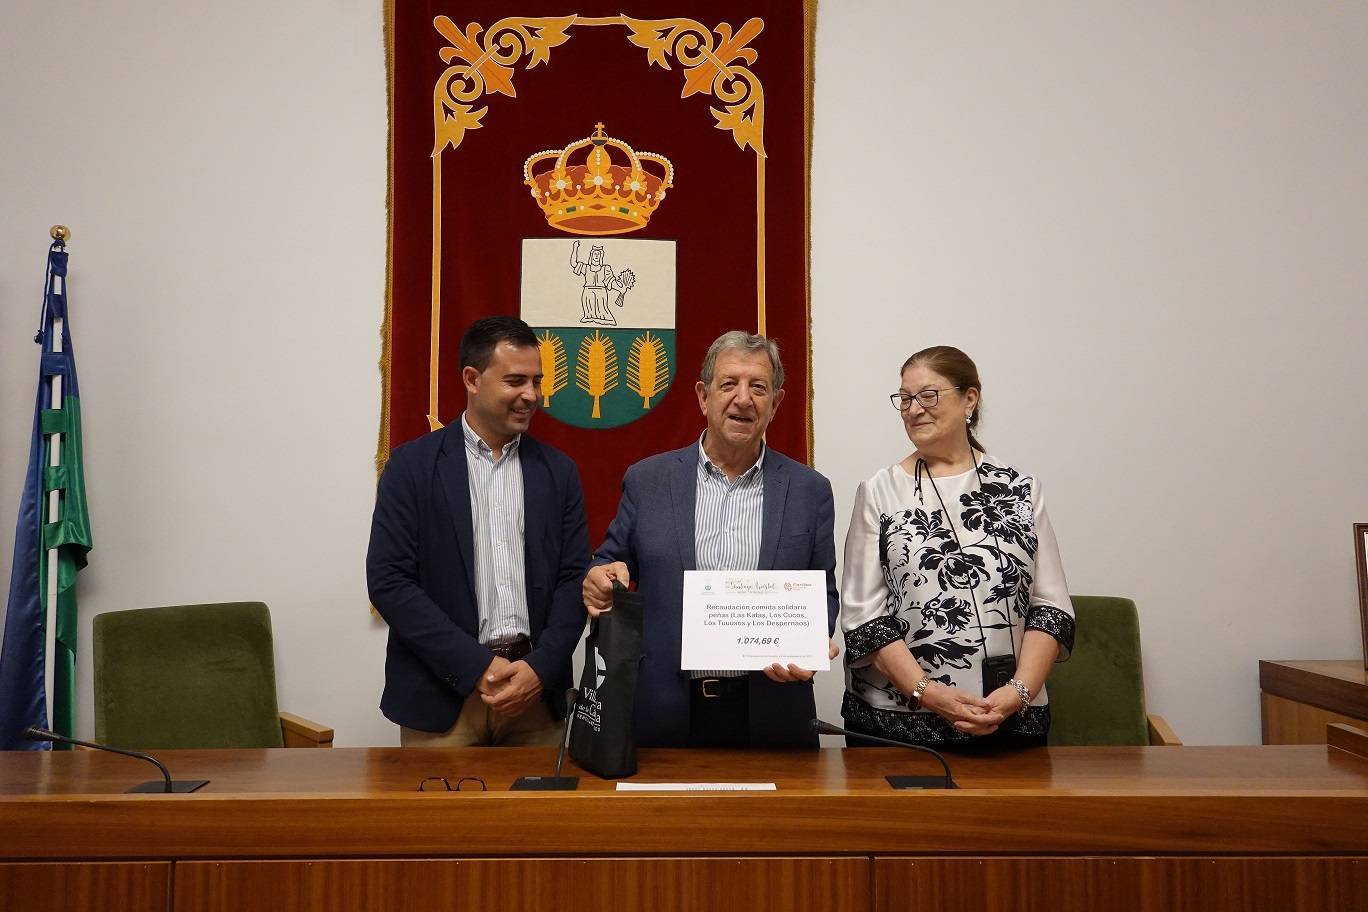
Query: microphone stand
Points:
[897, 782]
[167, 786]
[556, 783]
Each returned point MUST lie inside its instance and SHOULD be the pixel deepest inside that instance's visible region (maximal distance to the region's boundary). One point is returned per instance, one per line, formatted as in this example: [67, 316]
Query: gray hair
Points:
[742, 341]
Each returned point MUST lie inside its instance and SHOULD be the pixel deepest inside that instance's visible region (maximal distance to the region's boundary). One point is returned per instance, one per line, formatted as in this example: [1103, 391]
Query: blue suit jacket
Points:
[653, 534]
[420, 571]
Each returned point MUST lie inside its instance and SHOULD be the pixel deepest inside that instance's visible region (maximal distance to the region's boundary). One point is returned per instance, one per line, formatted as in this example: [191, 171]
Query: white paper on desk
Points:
[748, 620]
[696, 787]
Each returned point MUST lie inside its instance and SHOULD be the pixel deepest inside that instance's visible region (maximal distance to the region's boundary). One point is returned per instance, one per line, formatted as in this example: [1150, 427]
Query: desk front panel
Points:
[79, 886]
[560, 884]
[1197, 884]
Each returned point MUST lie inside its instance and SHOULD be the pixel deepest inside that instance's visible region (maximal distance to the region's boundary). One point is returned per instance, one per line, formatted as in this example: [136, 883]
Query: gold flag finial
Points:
[60, 233]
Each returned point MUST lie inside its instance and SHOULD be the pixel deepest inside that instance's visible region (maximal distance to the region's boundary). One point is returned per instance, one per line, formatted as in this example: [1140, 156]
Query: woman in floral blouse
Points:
[953, 598]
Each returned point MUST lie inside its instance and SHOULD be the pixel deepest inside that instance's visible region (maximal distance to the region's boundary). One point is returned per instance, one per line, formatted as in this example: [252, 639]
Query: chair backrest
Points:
[1098, 695]
[186, 676]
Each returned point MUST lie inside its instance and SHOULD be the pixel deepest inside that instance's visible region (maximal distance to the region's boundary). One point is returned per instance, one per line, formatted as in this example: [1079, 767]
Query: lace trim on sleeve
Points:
[874, 635]
[1056, 623]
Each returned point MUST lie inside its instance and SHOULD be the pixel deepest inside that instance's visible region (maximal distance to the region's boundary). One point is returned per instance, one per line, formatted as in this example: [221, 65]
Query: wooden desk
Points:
[1300, 698]
[1056, 829]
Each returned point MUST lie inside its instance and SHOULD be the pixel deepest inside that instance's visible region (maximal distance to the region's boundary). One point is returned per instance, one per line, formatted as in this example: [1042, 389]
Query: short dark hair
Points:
[480, 340]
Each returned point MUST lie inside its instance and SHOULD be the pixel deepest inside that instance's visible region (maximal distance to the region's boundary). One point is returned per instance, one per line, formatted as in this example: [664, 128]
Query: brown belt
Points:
[514, 650]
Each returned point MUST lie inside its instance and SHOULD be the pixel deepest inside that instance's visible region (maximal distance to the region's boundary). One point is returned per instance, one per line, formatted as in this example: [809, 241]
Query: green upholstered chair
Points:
[192, 676]
[1098, 695]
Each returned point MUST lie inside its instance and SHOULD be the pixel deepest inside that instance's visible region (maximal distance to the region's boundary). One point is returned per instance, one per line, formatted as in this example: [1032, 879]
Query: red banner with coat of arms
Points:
[632, 183]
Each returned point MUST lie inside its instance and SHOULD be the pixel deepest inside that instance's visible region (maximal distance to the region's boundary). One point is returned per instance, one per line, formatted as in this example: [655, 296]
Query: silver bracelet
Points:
[1021, 692]
[920, 689]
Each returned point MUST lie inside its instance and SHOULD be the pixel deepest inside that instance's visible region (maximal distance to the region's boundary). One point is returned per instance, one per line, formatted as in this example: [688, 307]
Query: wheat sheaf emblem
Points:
[648, 368]
[596, 368]
[555, 368]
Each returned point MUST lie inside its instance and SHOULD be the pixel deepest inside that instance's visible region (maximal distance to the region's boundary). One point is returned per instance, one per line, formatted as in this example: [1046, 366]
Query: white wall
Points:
[1145, 221]
[222, 168]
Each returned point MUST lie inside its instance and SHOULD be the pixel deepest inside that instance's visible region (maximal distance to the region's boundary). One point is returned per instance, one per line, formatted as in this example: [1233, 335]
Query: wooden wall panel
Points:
[562, 884]
[1121, 884]
[77, 887]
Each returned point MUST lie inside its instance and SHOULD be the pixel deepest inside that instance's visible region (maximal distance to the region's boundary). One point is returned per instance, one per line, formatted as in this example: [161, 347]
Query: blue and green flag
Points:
[40, 539]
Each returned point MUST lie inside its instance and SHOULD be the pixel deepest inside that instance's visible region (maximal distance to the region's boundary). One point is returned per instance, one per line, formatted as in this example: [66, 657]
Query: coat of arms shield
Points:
[604, 313]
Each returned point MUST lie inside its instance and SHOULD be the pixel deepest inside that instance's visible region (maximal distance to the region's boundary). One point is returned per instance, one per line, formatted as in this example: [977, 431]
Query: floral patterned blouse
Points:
[949, 565]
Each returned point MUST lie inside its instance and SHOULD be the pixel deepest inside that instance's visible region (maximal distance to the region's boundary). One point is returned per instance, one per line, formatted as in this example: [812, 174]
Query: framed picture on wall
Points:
[1361, 562]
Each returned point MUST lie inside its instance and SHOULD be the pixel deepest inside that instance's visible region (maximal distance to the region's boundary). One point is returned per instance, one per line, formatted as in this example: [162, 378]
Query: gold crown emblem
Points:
[586, 189]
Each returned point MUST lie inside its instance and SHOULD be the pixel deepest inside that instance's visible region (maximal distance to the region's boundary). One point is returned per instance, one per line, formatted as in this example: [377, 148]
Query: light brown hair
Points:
[957, 367]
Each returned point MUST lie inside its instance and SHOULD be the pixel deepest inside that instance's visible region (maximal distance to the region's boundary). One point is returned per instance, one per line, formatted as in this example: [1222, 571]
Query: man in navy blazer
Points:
[724, 503]
[477, 551]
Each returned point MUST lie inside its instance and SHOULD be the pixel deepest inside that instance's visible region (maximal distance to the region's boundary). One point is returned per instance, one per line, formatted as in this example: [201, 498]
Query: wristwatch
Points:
[920, 689]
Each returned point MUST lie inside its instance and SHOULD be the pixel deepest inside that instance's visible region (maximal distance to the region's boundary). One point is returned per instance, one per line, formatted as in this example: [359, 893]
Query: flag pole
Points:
[60, 234]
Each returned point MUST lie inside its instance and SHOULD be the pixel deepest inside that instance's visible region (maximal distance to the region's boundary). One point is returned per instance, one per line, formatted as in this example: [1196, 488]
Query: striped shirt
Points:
[728, 519]
[496, 513]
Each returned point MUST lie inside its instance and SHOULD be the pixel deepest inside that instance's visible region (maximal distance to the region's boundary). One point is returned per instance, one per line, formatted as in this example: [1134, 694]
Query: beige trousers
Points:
[478, 726]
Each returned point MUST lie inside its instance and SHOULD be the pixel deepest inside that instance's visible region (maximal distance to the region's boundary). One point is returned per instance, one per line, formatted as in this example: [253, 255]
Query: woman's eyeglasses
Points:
[927, 398]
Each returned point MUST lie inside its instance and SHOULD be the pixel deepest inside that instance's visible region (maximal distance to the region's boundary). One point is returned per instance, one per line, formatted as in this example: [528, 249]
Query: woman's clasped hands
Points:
[971, 715]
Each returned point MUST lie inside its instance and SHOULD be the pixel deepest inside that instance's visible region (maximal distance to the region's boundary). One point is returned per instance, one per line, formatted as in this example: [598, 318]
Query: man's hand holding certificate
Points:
[751, 620]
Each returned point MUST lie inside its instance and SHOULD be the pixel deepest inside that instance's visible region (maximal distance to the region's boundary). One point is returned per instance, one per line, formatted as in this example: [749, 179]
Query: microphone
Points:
[166, 786]
[556, 783]
[898, 782]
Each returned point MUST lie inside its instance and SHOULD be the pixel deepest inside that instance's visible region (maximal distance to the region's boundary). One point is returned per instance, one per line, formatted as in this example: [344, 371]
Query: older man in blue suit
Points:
[726, 502]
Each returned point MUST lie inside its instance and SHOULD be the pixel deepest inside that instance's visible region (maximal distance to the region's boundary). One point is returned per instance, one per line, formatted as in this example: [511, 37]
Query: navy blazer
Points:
[420, 572]
[653, 534]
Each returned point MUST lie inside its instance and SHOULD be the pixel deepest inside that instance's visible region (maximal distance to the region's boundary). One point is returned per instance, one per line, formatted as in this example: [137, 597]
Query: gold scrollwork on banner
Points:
[486, 67]
[716, 62]
[711, 67]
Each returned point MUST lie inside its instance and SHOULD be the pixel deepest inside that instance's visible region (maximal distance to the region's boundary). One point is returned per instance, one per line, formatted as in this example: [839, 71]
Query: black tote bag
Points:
[601, 736]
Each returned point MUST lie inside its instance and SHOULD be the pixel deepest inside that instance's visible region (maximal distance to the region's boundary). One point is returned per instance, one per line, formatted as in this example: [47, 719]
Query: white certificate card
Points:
[748, 620]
